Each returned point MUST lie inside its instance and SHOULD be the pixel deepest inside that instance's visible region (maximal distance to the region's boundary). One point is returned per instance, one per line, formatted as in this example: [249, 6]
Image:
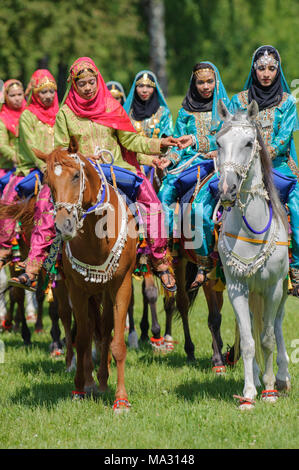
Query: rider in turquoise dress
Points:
[149, 113]
[197, 118]
[277, 120]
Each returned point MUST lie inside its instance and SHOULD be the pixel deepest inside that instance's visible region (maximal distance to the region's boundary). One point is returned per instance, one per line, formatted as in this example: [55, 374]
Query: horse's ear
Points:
[40, 155]
[252, 110]
[73, 145]
[223, 111]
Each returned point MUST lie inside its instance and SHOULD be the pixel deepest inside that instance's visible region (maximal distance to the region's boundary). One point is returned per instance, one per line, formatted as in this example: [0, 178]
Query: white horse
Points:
[253, 247]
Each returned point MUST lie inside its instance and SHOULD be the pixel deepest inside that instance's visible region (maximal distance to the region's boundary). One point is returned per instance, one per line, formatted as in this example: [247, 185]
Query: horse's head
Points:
[236, 147]
[73, 184]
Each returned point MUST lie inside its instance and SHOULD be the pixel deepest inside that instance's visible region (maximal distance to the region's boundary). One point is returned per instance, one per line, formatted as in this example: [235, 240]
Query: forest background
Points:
[166, 36]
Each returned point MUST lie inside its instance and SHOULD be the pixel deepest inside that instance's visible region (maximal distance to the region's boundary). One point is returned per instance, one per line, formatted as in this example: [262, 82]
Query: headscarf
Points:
[193, 101]
[283, 83]
[219, 93]
[102, 108]
[265, 96]
[42, 78]
[116, 89]
[10, 117]
[144, 109]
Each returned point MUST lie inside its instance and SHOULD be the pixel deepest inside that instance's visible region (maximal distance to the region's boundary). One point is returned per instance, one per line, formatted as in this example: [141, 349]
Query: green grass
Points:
[175, 405]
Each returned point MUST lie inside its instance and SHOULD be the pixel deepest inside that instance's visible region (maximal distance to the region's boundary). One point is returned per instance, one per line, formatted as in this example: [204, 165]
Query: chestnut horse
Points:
[98, 259]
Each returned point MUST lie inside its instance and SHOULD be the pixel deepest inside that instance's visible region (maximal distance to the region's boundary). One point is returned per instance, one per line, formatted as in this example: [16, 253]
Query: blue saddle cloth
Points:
[5, 179]
[187, 179]
[284, 185]
[126, 180]
[26, 186]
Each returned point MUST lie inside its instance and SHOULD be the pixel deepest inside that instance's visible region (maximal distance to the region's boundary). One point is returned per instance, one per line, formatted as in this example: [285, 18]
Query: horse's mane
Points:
[266, 162]
[22, 211]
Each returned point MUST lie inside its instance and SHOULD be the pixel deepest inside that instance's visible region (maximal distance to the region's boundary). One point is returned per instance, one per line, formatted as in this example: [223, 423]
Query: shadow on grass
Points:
[48, 395]
[218, 388]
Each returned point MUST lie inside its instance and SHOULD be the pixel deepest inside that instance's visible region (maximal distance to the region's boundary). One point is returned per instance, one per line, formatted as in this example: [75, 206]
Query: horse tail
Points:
[22, 211]
[256, 305]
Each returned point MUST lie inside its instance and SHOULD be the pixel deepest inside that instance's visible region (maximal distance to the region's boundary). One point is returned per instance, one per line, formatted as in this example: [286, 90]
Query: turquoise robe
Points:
[203, 126]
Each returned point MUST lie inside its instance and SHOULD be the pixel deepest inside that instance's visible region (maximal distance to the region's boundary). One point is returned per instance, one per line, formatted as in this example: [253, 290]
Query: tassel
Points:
[219, 286]
[113, 177]
[143, 244]
[198, 174]
[36, 186]
[50, 297]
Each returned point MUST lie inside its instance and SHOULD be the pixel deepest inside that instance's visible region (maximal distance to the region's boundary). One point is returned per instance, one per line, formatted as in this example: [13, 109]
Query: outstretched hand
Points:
[169, 142]
[185, 141]
[161, 163]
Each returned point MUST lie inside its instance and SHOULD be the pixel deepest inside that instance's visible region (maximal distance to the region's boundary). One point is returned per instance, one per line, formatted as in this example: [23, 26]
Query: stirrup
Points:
[198, 284]
[24, 282]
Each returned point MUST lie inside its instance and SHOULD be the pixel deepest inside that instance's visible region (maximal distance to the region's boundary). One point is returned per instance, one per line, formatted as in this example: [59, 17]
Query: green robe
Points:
[91, 135]
[8, 148]
[33, 134]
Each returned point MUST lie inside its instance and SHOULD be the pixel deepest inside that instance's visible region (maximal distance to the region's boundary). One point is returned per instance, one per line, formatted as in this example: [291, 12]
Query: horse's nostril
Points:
[67, 225]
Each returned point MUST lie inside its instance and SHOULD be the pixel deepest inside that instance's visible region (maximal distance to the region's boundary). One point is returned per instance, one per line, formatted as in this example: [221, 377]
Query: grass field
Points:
[175, 405]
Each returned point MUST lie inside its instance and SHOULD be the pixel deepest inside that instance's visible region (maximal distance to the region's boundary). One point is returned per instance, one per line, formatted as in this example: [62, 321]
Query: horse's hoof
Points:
[55, 350]
[219, 370]
[133, 340]
[158, 345]
[31, 318]
[283, 385]
[169, 343]
[246, 406]
[92, 390]
[77, 396]
[121, 405]
[245, 403]
[270, 396]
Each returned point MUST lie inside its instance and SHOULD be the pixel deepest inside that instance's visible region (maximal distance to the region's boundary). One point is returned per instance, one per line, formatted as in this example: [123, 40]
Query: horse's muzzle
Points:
[66, 227]
[227, 190]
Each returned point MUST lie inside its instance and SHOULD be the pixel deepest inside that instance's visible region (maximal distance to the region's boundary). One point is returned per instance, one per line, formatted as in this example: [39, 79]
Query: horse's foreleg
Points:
[283, 379]
[132, 336]
[239, 300]
[183, 305]
[272, 302]
[214, 323]
[118, 346]
[79, 301]
[56, 345]
[40, 296]
[144, 323]
[105, 327]
[65, 314]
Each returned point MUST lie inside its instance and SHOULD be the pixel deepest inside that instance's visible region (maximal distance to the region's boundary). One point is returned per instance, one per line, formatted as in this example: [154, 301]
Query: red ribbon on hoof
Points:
[121, 403]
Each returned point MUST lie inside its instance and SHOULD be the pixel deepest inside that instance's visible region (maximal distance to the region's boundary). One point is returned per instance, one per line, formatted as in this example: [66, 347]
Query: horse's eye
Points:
[76, 177]
[249, 144]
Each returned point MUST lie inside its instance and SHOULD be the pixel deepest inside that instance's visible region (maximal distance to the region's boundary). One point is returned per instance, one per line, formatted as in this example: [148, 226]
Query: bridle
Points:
[76, 209]
[104, 272]
[242, 170]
